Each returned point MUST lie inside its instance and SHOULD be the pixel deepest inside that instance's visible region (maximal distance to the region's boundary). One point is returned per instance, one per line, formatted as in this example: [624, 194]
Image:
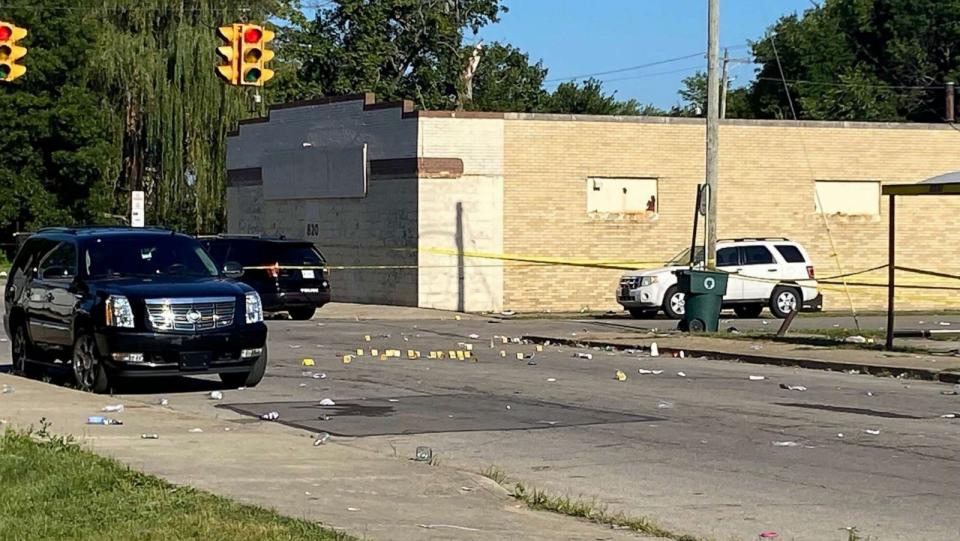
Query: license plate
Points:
[309, 290]
[197, 360]
[308, 273]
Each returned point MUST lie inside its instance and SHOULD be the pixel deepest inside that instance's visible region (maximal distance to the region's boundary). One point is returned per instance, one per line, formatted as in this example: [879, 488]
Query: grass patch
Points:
[495, 474]
[590, 510]
[51, 488]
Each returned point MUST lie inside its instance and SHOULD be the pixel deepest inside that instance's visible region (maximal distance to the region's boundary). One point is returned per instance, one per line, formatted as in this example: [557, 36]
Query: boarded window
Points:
[622, 195]
[852, 198]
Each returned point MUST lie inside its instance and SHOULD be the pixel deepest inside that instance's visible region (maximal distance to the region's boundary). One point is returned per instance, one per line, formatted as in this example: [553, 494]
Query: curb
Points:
[752, 358]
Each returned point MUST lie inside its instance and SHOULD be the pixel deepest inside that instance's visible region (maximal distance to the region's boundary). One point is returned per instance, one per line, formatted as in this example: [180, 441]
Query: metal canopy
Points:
[945, 184]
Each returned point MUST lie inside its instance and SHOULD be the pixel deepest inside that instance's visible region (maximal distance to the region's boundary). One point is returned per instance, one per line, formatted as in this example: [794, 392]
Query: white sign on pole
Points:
[136, 209]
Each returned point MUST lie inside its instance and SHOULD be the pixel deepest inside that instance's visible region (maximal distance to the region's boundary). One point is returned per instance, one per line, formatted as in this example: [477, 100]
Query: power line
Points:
[35, 7]
[632, 68]
[857, 85]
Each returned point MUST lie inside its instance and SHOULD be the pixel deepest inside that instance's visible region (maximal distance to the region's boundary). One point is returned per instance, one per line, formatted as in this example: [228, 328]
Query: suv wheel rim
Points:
[678, 303]
[20, 350]
[85, 363]
[787, 302]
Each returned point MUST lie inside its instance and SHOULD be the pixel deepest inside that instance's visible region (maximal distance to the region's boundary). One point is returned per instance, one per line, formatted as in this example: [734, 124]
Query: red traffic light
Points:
[5, 33]
[252, 35]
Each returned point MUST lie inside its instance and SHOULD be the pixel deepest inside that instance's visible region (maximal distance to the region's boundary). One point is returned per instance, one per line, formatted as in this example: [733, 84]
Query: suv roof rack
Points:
[243, 236]
[755, 239]
[77, 228]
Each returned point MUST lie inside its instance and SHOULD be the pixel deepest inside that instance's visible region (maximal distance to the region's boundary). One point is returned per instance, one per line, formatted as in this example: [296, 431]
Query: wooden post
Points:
[891, 269]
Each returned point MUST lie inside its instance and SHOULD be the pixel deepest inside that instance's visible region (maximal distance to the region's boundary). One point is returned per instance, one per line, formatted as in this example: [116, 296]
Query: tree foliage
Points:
[860, 60]
[693, 94]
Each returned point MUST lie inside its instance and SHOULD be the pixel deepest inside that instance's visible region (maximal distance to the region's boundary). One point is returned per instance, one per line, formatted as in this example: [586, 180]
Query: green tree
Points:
[395, 48]
[694, 99]
[505, 80]
[55, 152]
[589, 98]
[860, 60]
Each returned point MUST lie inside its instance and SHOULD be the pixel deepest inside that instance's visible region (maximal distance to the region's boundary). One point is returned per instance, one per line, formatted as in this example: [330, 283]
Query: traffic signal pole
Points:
[713, 115]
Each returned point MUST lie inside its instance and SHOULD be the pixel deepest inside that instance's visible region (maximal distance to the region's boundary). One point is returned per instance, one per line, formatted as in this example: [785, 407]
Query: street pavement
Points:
[714, 453]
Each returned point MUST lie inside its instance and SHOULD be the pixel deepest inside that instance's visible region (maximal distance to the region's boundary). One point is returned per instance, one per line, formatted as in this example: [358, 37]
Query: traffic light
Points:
[10, 52]
[230, 53]
[254, 55]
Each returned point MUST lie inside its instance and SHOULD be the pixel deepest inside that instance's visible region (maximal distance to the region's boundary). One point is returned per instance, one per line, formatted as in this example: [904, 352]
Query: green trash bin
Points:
[703, 297]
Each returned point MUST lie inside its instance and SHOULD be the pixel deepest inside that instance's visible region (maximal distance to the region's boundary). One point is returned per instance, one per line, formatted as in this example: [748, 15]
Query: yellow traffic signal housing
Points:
[254, 55]
[10, 52]
[230, 52]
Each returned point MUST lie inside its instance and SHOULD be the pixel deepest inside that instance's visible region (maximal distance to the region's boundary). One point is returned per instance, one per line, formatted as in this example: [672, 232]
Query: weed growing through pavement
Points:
[495, 474]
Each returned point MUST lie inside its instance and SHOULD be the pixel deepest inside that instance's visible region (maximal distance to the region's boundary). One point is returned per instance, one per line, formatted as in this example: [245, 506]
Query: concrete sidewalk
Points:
[367, 494]
[945, 368]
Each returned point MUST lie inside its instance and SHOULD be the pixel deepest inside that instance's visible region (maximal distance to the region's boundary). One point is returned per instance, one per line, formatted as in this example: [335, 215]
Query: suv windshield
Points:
[146, 255]
[683, 258]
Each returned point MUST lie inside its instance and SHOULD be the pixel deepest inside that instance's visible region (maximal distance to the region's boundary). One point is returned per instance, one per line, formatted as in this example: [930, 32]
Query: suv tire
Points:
[748, 310]
[302, 314]
[88, 368]
[784, 300]
[673, 303]
[642, 313]
[21, 350]
[247, 379]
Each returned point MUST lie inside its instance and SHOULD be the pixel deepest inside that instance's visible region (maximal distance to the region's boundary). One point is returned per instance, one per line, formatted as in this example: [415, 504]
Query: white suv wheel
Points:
[787, 301]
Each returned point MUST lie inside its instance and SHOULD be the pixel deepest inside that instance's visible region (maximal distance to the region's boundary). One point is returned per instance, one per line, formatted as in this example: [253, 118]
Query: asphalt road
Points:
[713, 453]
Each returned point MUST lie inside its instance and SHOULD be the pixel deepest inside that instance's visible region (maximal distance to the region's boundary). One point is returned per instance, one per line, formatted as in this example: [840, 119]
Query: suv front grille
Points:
[630, 283]
[190, 314]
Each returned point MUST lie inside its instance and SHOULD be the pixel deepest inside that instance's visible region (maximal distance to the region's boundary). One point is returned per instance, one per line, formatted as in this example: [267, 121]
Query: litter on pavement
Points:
[149, 436]
[474, 336]
[321, 438]
[587, 356]
[7, 389]
[100, 420]
[654, 350]
[872, 432]
[449, 526]
[757, 378]
[620, 376]
[113, 408]
[785, 444]
[793, 387]
[164, 402]
[423, 454]
[195, 430]
[769, 535]
[327, 402]
[308, 362]
[855, 339]
[664, 405]
[216, 395]
[950, 415]
[551, 380]
[271, 416]
[644, 371]
[681, 374]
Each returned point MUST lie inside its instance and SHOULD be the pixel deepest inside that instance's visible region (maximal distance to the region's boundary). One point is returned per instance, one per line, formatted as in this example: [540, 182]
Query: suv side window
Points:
[217, 251]
[791, 254]
[61, 261]
[26, 260]
[756, 255]
[727, 257]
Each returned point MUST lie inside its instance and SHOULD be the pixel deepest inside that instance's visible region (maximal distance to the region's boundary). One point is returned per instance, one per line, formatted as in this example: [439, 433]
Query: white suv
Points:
[776, 273]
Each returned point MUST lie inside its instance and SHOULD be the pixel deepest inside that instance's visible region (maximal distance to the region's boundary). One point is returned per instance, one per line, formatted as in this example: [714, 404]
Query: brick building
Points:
[461, 210]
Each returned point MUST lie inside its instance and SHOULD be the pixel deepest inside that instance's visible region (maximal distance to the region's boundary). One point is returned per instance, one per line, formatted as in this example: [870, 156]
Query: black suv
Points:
[125, 302]
[289, 275]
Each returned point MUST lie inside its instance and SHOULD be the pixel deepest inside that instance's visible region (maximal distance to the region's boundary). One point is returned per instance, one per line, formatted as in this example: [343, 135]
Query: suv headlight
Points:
[119, 312]
[648, 281]
[253, 307]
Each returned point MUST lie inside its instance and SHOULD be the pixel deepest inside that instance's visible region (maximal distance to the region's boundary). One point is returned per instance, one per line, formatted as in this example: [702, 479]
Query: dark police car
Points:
[127, 302]
[288, 274]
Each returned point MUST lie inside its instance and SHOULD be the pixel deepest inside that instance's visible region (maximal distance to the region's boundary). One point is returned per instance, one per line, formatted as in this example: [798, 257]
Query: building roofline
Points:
[408, 110]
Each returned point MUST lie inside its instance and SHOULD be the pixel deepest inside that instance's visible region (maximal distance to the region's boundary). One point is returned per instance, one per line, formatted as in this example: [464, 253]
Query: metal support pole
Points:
[696, 220]
[891, 269]
[713, 114]
[949, 92]
[724, 84]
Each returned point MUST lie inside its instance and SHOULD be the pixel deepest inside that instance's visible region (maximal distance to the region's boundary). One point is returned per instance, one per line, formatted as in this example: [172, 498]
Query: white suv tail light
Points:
[810, 273]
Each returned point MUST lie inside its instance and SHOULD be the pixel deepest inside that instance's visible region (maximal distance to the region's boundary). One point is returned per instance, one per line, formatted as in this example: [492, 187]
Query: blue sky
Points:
[575, 37]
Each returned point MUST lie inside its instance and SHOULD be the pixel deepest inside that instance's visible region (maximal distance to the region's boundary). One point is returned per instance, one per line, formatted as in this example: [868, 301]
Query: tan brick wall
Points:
[446, 280]
[767, 174]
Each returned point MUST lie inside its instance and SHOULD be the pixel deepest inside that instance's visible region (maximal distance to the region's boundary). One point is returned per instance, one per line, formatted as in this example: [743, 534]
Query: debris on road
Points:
[872, 432]
[855, 339]
[295, 346]
[321, 438]
[327, 402]
[216, 395]
[949, 393]
[308, 362]
[620, 376]
[113, 408]
[664, 405]
[423, 454]
[950, 415]
[474, 336]
[149, 436]
[840, 435]
[785, 444]
[7, 389]
[869, 393]
[271, 416]
[654, 350]
[450, 526]
[681, 374]
[587, 356]
[551, 380]
[195, 430]
[644, 371]
[319, 375]
[508, 407]
[347, 359]
[366, 338]
[100, 420]
[944, 323]
[800, 388]
[769, 535]
[164, 402]
[733, 330]
[757, 378]
[352, 509]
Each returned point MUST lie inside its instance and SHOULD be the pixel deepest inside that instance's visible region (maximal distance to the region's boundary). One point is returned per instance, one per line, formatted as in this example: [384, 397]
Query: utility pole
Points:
[713, 109]
[723, 84]
[951, 100]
